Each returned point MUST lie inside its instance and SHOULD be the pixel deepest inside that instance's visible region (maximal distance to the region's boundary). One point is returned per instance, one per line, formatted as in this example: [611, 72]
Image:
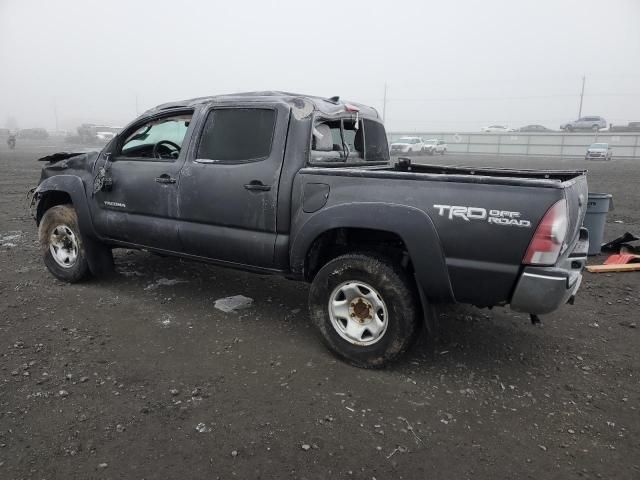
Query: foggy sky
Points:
[449, 65]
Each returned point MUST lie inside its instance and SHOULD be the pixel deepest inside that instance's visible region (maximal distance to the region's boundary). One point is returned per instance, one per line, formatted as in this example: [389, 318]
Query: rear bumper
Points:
[542, 290]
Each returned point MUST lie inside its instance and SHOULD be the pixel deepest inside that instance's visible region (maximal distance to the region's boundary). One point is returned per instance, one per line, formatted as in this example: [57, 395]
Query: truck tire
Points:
[365, 308]
[61, 244]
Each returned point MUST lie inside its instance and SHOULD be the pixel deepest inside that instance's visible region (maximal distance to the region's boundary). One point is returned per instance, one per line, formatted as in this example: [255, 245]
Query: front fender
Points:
[73, 186]
[414, 226]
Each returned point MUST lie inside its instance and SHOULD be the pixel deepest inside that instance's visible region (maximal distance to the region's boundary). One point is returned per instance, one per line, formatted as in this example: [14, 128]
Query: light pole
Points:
[581, 97]
[384, 104]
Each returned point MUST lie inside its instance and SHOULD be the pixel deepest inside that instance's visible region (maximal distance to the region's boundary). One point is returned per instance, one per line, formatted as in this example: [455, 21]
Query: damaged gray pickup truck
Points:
[303, 187]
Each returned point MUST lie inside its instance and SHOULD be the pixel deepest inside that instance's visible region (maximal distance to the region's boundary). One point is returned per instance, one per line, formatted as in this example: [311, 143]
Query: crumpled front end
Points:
[67, 163]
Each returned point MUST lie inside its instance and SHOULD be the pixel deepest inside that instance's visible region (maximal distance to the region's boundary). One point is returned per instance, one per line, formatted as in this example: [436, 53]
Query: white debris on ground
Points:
[164, 282]
[166, 320]
[202, 428]
[8, 239]
[236, 302]
[131, 273]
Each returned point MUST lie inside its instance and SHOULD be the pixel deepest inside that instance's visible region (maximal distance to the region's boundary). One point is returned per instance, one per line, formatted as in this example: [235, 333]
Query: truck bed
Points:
[561, 175]
[458, 174]
[482, 260]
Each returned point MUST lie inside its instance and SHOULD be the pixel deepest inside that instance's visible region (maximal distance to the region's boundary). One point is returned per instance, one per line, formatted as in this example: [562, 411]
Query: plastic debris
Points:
[230, 304]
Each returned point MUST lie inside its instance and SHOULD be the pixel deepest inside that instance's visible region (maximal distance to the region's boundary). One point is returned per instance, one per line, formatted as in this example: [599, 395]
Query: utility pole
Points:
[384, 104]
[581, 97]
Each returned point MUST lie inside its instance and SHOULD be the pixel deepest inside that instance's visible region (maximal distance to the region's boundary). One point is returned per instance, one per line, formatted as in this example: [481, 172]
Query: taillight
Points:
[547, 242]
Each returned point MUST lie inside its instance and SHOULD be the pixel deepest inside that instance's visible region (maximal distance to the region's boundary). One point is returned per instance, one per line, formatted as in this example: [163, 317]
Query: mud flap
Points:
[429, 313]
[99, 257]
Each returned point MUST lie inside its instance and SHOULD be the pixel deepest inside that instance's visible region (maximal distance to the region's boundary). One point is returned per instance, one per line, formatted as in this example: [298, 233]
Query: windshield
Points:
[599, 145]
[404, 140]
[432, 141]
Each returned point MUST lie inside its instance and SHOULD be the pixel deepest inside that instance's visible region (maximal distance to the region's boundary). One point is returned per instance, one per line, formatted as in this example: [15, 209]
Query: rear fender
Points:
[411, 224]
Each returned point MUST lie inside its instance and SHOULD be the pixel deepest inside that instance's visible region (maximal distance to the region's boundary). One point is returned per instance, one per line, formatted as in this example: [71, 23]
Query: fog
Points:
[452, 66]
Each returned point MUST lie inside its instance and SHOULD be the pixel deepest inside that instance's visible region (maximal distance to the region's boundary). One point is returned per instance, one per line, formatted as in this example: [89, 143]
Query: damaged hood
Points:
[56, 157]
[67, 161]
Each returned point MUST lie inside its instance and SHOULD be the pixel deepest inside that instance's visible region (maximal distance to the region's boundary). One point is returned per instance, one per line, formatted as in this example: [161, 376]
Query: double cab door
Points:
[199, 182]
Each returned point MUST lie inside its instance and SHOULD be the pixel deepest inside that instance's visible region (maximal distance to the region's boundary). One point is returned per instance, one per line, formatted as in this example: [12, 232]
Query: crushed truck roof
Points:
[327, 106]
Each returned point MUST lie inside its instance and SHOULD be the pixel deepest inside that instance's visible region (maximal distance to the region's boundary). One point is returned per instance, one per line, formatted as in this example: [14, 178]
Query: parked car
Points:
[407, 145]
[33, 134]
[314, 197]
[630, 127]
[599, 151]
[433, 146]
[534, 129]
[496, 129]
[594, 123]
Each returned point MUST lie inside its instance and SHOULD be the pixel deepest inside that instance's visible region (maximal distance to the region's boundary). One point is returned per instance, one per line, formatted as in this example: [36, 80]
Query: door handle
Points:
[164, 178]
[257, 186]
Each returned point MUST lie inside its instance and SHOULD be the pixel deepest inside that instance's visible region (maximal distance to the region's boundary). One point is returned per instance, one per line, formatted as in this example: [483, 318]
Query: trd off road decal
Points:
[497, 217]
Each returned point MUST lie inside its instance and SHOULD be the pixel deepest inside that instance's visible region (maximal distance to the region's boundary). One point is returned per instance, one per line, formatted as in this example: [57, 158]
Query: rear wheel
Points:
[61, 244]
[365, 308]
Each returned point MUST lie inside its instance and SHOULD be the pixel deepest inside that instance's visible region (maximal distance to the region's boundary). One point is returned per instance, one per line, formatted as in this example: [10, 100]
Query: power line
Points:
[498, 98]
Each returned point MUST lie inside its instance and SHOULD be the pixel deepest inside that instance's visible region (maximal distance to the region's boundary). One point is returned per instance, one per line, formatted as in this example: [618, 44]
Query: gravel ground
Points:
[139, 376]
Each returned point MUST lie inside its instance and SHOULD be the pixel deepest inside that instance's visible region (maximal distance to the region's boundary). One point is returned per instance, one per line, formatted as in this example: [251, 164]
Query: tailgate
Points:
[576, 193]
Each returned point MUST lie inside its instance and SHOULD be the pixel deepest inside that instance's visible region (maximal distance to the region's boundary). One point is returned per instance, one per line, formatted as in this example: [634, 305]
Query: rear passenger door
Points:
[228, 188]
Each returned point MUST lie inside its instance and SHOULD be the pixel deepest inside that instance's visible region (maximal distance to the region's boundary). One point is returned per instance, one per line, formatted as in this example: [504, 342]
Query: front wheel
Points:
[61, 244]
[365, 308]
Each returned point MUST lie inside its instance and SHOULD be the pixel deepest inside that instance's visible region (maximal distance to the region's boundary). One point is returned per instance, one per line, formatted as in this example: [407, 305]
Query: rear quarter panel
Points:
[482, 260]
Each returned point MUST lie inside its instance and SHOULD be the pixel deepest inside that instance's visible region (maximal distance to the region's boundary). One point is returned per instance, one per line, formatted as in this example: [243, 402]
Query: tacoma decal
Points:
[497, 217]
[114, 204]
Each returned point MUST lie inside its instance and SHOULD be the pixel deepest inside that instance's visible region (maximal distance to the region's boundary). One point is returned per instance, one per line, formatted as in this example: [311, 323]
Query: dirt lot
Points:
[138, 376]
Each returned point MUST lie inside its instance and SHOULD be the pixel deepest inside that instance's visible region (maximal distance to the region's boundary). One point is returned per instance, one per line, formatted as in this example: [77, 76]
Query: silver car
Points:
[585, 123]
[598, 151]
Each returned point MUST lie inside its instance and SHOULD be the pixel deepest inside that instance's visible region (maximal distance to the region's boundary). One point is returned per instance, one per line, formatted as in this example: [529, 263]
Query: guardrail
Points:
[624, 145]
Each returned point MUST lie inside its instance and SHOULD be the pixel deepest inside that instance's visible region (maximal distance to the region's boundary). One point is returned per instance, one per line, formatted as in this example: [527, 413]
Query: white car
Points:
[496, 129]
[433, 146]
[407, 145]
[105, 136]
[599, 151]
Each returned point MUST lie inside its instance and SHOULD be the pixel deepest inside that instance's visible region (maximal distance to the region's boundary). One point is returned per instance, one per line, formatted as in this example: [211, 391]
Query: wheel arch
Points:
[401, 225]
[64, 189]
[61, 189]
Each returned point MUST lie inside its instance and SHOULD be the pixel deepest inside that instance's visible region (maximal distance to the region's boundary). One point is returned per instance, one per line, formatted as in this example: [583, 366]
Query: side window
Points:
[237, 134]
[159, 139]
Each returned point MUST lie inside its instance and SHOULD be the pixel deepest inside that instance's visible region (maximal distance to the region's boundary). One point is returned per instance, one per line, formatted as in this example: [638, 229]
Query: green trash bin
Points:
[595, 219]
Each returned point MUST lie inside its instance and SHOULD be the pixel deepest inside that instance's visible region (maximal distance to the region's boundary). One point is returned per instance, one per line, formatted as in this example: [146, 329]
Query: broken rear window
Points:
[237, 134]
[345, 141]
